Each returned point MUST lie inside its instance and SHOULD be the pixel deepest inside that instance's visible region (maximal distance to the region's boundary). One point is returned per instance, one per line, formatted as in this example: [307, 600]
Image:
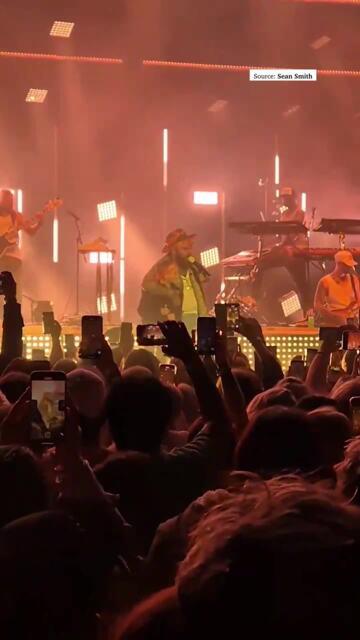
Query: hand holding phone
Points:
[206, 336]
[168, 373]
[91, 337]
[48, 395]
[355, 411]
[150, 335]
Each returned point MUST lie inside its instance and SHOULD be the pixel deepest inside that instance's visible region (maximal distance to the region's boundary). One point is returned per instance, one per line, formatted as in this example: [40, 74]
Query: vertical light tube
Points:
[165, 179]
[55, 238]
[56, 183]
[20, 209]
[165, 157]
[277, 175]
[303, 201]
[122, 268]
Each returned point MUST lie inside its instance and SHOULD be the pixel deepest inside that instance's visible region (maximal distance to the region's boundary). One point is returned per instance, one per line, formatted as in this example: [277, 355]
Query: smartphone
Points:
[355, 410]
[227, 316]
[126, 338]
[168, 373]
[150, 335]
[48, 395]
[297, 369]
[310, 355]
[351, 340]
[330, 333]
[206, 336]
[38, 354]
[91, 337]
[70, 348]
[48, 321]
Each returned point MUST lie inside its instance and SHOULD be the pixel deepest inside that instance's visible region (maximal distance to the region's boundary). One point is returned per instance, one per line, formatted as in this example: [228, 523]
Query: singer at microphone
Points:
[337, 297]
[173, 288]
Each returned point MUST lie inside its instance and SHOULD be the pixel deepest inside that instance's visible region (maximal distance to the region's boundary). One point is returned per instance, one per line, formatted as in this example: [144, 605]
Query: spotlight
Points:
[36, 95]
[107, 210]
[210, 257]
[62, 29]
[207, 198]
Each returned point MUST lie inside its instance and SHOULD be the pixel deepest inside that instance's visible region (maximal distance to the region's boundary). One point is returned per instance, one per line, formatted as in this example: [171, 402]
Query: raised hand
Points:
[179, 343]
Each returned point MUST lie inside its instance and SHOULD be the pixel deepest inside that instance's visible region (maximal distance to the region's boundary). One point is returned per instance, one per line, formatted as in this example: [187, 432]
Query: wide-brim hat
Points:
[178, 235]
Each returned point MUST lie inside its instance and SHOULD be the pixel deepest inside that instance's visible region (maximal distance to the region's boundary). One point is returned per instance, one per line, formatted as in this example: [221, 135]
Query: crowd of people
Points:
[226, 503]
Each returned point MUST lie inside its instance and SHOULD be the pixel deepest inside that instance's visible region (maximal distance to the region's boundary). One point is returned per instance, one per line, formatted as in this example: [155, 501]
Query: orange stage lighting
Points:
[57, 58]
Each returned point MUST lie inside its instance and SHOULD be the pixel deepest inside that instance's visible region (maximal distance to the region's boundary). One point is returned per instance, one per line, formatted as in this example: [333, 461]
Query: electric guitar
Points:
[11, 237]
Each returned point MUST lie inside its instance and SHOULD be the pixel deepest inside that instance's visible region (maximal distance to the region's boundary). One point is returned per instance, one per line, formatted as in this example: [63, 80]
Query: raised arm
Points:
[233, 395]
[272, 372]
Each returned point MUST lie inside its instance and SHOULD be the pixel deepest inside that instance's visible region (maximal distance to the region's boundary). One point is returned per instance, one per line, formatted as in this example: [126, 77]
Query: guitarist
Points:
[11, 222]
[337, 297]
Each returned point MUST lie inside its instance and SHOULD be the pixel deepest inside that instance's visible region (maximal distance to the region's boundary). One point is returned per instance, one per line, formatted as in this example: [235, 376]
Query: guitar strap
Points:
[352, 278]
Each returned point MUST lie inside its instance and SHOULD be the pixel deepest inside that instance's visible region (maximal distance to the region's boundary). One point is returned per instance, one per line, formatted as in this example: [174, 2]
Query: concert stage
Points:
[290, 341]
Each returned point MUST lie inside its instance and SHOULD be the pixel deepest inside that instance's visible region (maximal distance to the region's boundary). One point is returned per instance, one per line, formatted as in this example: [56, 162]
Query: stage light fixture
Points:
[320, 42]
[210, 257]
[303, 201]
[206, 198]
[62, 29]
[102, 304]
[291, 306]
[217, 106]
[101, 257]
[107, 210]
[36, 95]
[122, 268]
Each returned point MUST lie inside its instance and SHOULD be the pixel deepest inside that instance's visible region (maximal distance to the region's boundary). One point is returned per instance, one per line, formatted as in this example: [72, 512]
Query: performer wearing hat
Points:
[283, 254]
[337, 297]
[173, 288]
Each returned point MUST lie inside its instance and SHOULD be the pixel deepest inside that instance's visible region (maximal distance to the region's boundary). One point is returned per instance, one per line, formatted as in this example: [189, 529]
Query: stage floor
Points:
[290, 341]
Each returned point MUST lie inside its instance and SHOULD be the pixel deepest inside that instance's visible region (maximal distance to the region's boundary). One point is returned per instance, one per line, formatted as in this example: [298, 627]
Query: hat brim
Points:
[168, 246]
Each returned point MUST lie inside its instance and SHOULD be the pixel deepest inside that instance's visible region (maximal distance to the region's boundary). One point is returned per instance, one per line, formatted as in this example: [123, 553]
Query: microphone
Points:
[198, 266]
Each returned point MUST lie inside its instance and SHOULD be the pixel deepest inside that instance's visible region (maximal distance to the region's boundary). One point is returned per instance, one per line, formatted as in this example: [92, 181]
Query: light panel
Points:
[62, 29]
[102, 257]
[210, 257]
[206, 198]
[107, 210]
[36, 95]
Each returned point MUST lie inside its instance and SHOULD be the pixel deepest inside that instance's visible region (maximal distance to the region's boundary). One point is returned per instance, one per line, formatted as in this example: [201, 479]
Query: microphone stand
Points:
[79, 242]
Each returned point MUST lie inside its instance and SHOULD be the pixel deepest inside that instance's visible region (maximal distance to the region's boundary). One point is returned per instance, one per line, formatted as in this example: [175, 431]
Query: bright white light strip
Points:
[165, 157]
[20, 209]
[55, 239]
[61, 29]
[106, 257]
[207, 198]
[303, 201]
[122, 268]
[107, 210]
[277, 169]
[210, 257]
[36, 95]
